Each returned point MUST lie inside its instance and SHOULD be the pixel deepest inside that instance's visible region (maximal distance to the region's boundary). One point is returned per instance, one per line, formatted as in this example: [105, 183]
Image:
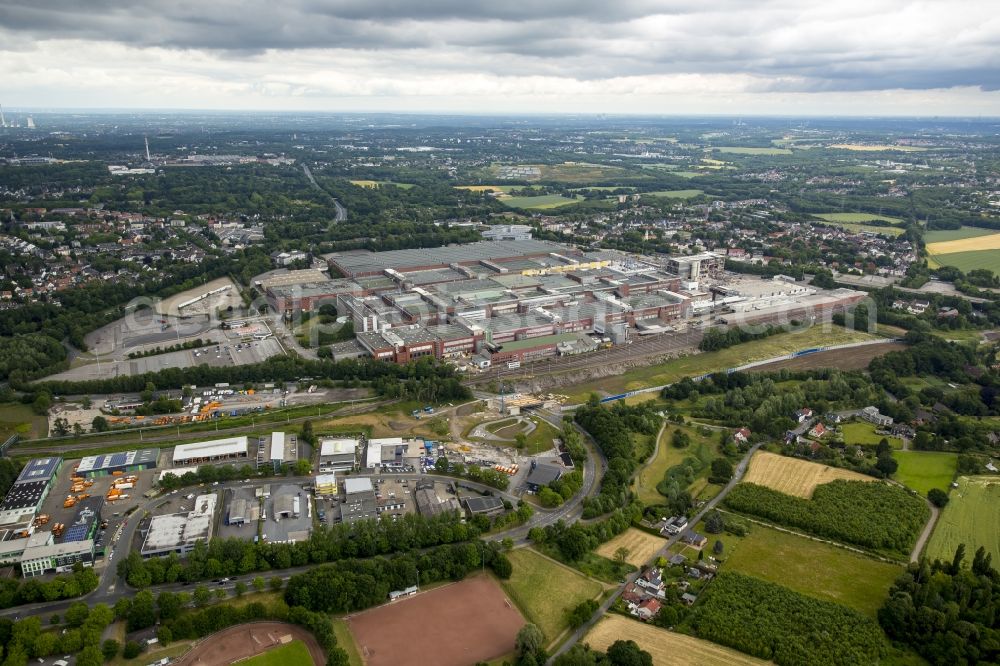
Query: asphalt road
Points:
[341, 213]
[738, 473]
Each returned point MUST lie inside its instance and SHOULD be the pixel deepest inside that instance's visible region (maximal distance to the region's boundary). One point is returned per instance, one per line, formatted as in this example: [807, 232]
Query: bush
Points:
[132, 650]
[937, 497]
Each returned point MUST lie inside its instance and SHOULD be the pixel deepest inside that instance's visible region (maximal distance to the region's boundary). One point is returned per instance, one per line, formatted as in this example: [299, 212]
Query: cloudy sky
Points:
[857, 57]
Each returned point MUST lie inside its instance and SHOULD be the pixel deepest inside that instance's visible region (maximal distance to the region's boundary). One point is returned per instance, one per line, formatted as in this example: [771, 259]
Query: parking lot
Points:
[248, 530]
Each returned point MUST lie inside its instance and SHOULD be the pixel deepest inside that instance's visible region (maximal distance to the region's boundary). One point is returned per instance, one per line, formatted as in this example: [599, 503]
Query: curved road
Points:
[341, 213]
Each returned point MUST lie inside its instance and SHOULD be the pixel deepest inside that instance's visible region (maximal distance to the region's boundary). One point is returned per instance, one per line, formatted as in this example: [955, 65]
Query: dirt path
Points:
[926, 534]
[246, 640]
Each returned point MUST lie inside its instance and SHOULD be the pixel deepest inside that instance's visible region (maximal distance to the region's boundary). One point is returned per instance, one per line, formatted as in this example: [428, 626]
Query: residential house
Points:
[652, 581]
[742, 435]
[694, 539]
[818, 430]
[803, 415]
[872, 415]
[674, 525]
[687, 598]
[647, 609]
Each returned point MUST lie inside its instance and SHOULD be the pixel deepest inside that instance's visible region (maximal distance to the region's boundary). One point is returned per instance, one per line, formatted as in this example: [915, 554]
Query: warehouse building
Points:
[86, 521]
[337, 455]
[428, 502]
[127, 462]
[239, 512]
[48, 557]
[283, 449]
[29, 491]
[359, 500]
[541, 474]
[179, 532]
[232, 448]
[483, 506]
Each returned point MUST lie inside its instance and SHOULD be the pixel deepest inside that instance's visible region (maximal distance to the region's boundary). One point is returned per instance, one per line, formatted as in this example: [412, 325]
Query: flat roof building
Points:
[23, 501]
[337, 455]
[326, 484]
[128, 461]
[542, 474]
[359, 500]
[39, 469]
[179, 532]
[230, 448]
[86, 520]
[283, 449]
[56, 557]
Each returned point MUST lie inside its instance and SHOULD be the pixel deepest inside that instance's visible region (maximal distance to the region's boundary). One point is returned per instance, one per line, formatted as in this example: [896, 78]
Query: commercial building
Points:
[326, 485]
[542, 474]
[232, 448]
[696, 266]
[428, 502]
[239, 512]
[126, 462]
[508, 232]
[55, 557]
[179, 532]
[337, 455]
[29, 491]
[86, 520]
[283, 449]
[483, 506]
[359, 500]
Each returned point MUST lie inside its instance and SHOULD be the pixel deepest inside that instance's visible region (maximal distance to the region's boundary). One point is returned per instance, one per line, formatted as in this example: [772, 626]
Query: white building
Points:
[230, 448]
[337, 455]
[179, 532]
[508, 232]
[42, 556]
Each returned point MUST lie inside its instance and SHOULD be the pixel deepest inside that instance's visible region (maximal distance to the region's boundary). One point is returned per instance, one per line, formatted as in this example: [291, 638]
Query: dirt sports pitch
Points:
[793, 476]
[247, 640]
[455, 625]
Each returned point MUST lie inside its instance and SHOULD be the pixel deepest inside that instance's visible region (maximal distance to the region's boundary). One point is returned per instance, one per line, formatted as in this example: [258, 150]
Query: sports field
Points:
[792, 476]
[813, 568]
[541, 202]
[291, 654]
[454, 625]
[256, 639]
[641, 546]
[923, 470]
[674, 194]
[545, 589]
[666, 647]
[742, 150]
[972, 517]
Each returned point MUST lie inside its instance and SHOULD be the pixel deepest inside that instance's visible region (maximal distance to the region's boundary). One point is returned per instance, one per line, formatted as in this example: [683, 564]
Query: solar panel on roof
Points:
[76, 533]
[118, 459]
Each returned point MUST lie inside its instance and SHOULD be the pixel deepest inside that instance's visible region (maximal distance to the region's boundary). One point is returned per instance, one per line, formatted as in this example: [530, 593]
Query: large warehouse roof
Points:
[118, 460]
[39, 469]
[337, 447]
[401, 260]
[277, 446]
[215, 448]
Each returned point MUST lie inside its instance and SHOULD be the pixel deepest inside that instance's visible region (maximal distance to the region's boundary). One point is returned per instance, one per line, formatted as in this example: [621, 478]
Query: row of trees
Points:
[772, 622]
[352, 585]
[874, 515]
[80, 635]
[948, 612]
[572, 542]
[721, 338]
[233, 556]
[15, 592]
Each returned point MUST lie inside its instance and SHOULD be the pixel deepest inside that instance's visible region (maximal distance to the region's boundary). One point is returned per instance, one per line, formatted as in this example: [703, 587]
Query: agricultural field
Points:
[18, 418]
[854, 358]
[667, 648]
[581, 173]
[968, 244]
[773, 622]
[667, 456]
[923, 470]
[544, 590]
[290, 654]
[742, 150]
[877, 147]
[674, 194]
[541, 202]
[813, 568]
[967, 261]
[972, 517]
[945, 235]
[372, 184]
[641, 546]
[856, 218]
[863, 433]
[496, 188]
[701, 363]
[878, 516]
[791, 476]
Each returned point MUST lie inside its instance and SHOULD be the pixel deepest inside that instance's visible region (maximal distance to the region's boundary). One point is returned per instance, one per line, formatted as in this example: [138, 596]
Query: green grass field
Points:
[667, 456]
[923, 470]
[968, 261]
[856, 218]
[942, 235]
[346, 642]
[290, 654]
[18, 418]
[701, 363]
[812, 568]
[674, 194]
[864, 433]
[544, 590]
[972, 517]
[541, 202]
[741, 150]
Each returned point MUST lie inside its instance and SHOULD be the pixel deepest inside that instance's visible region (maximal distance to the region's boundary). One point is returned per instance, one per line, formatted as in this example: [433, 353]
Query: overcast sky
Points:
[858, 57]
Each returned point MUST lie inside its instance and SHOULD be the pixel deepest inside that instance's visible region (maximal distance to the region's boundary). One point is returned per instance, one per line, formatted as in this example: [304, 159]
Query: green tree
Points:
[276, 583]
[99, 424]
[680, 439]
[259, 583]
[937, 497]
[722, 470]
[302, 467]
[90, 655]
[109, 648]
[132, 650]
[241, 588]
[621, 553]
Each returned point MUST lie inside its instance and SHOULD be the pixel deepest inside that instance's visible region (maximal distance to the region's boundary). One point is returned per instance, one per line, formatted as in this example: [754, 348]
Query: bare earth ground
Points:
[793, 476]
[641, 546]
[455, 625]
[246, 640]
[666, 647]
[854, 358]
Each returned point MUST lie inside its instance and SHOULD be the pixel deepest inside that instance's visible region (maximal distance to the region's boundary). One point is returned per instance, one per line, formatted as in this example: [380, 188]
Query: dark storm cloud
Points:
[786, 45]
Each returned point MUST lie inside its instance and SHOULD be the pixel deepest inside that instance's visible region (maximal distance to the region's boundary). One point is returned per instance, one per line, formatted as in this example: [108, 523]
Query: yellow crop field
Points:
[991, 242]
[640, 545]
[793, 476]
[666, 647]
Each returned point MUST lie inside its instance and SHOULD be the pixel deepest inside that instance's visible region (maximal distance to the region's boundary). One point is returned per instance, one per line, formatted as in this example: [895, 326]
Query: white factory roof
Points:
[373, 456]
[387, 441]
[211, 449]
[357, 484]
[177, 529]
[277, 446]
[334, 447]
